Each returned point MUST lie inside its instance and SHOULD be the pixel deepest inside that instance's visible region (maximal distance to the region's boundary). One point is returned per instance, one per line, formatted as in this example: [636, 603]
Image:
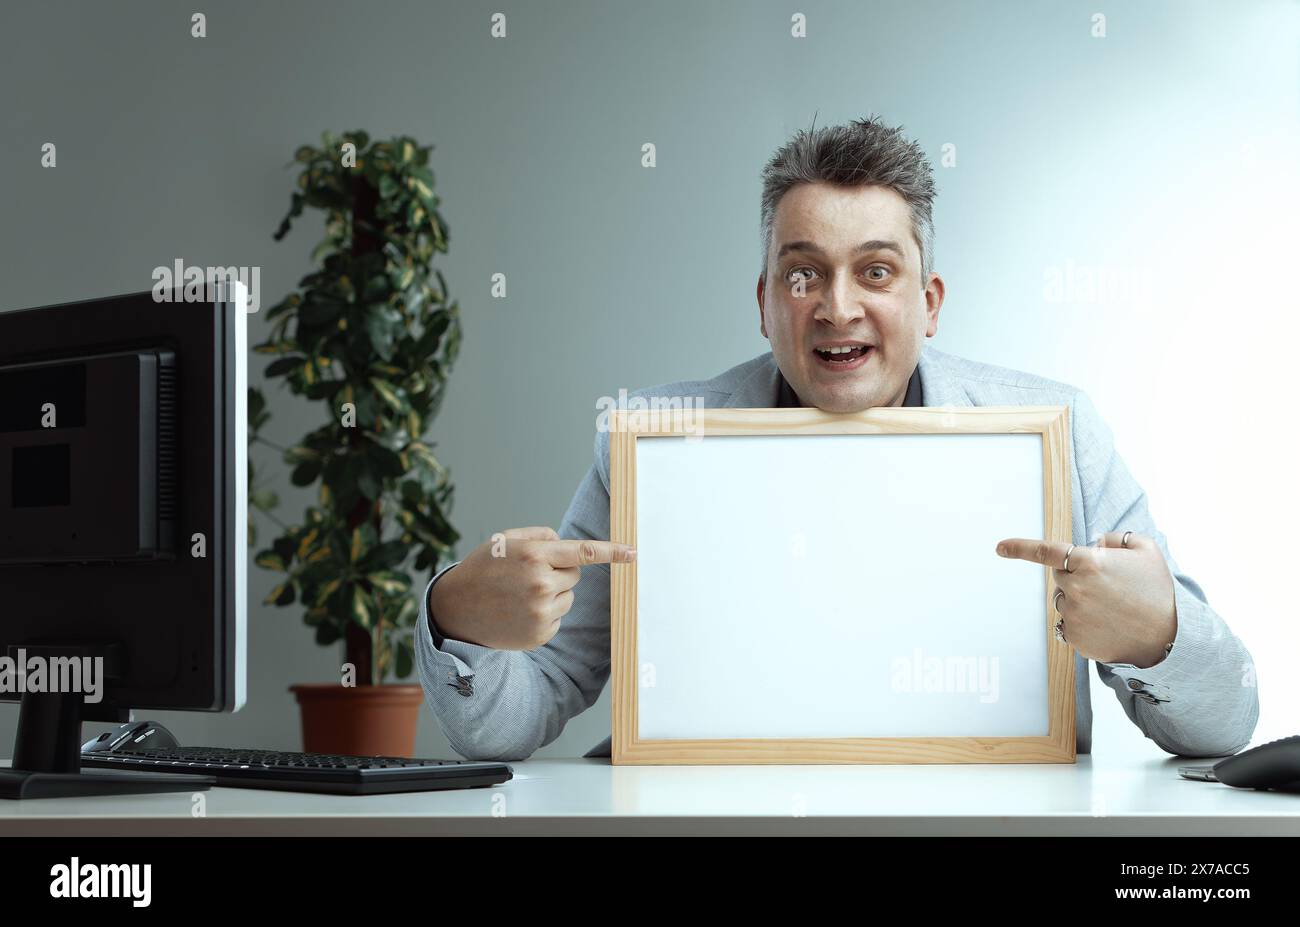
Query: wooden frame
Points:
[1051, 422]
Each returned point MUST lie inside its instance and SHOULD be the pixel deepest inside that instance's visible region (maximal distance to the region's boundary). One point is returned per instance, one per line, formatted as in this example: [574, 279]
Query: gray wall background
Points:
[1162, 154]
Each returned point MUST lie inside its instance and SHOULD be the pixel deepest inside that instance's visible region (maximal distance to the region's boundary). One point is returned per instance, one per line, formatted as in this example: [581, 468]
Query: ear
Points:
[934, 291]
[762, 294]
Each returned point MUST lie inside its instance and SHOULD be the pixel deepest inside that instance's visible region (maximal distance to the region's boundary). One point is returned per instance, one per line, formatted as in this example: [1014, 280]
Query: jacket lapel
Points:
[938, 388]
[758, 390]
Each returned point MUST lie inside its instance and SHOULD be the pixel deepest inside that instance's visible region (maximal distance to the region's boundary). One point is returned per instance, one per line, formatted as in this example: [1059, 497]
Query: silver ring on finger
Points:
[1056, 600]
[1066, 565]
[1124, 540]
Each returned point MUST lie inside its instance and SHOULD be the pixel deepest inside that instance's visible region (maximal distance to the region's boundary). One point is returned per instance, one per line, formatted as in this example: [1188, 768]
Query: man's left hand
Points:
[1118, 604]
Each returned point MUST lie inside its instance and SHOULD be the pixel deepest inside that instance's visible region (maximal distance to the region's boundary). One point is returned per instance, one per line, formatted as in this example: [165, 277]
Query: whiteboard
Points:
[838, 586]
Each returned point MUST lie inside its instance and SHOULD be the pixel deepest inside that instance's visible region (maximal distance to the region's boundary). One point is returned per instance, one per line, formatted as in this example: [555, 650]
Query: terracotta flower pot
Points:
[359, 720]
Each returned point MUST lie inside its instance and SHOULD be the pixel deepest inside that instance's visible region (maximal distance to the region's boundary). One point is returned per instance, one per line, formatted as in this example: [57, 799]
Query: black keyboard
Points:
[308, 772]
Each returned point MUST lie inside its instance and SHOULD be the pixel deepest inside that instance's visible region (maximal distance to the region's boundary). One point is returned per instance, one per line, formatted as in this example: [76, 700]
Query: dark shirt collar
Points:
[787, 399]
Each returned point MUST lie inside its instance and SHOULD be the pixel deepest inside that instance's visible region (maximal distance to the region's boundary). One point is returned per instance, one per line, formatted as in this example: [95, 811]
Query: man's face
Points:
[844, 270]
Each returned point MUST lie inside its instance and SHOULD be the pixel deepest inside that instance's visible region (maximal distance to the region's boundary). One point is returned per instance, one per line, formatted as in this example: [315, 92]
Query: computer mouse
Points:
[1274, 765]
[132, 737]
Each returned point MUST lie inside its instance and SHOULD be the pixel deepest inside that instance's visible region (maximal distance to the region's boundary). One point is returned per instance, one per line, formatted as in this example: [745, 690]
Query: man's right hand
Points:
[512, 590]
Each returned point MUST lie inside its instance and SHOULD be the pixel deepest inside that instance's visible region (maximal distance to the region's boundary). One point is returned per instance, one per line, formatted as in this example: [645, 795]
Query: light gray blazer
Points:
[1199, 701]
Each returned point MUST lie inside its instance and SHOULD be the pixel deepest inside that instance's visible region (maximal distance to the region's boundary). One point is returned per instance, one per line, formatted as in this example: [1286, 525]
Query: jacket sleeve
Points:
[1201, 699]
[505, 704]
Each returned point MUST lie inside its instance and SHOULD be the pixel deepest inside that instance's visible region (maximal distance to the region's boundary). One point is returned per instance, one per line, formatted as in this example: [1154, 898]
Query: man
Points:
[513, 641]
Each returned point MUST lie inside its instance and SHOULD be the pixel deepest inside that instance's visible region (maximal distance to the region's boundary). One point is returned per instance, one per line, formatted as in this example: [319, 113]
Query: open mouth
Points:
[843, 357]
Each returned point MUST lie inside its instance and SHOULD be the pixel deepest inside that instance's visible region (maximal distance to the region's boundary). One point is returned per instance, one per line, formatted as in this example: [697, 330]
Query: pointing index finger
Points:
[581, 553]
[1048, 553]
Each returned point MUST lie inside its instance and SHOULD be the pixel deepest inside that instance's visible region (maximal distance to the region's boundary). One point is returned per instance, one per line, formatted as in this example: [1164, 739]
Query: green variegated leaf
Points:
[315, 616]
[407, 612]
[327, 590]
[424, 453]
[270, 560]
[327, 634]
[299, 454]
[306, 542]
[390, 582]
[405, 660]
[280, 595]
[361, 611]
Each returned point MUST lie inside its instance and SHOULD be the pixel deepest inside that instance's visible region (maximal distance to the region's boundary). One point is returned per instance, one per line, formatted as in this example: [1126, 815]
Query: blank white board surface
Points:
[801, 586]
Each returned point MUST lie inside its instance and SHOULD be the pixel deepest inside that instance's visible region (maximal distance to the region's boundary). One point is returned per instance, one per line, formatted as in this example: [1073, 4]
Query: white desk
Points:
[1096, 796]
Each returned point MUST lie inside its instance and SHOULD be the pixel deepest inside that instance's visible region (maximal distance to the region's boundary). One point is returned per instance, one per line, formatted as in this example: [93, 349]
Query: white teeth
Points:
[838, 350]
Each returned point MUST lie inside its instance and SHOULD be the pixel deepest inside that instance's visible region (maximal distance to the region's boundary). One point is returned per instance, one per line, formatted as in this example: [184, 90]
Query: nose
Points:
[838, 308]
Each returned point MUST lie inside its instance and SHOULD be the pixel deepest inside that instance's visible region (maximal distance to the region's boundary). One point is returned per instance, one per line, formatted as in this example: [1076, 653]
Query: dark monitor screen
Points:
[123, 471]
[41, 476]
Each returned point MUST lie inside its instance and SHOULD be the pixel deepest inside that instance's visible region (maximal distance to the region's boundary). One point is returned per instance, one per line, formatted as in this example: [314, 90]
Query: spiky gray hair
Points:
[865, 152]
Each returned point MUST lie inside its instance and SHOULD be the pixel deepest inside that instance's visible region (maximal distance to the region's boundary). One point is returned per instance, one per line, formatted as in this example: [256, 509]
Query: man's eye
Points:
[877, 277]
[800, 273]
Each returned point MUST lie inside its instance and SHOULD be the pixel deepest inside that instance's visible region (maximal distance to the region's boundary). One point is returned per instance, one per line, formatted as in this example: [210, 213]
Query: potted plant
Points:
[371, 336]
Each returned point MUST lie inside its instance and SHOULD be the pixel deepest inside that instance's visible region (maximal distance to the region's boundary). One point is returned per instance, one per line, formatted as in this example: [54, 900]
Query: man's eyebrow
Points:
[876, 244]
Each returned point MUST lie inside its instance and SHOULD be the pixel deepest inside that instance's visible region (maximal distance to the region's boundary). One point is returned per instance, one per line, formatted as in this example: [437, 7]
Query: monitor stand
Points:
[47, 748]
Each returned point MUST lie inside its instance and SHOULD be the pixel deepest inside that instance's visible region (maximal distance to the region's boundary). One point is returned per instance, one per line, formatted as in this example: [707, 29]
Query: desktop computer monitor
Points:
[123, 523]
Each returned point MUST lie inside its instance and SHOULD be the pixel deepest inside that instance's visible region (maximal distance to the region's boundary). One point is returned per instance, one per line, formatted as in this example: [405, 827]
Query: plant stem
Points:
[262, 440]
[282, 525]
